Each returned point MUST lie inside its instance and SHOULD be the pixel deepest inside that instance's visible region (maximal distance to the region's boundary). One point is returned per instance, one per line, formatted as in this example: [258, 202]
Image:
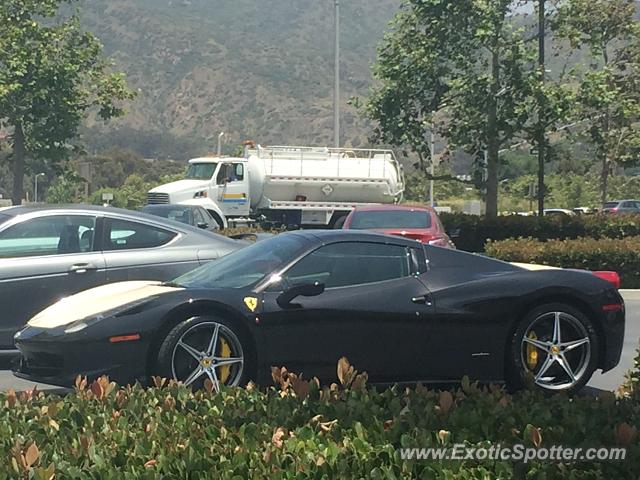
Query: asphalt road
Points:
[608, 381]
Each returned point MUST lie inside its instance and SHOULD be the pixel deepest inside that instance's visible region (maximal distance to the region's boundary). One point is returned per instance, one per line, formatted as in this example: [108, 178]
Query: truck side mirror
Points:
[305, 290]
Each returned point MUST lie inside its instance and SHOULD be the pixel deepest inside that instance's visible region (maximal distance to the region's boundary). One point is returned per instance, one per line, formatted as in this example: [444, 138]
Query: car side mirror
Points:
[305, 290]
[203, 225]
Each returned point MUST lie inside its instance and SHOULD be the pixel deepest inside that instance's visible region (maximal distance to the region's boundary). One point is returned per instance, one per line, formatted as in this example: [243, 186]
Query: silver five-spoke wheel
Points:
[208, 350]
[556, 350]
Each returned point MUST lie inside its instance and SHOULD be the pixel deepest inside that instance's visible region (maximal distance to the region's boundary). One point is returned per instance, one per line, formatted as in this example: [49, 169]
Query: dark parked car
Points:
[193, 215]
[401, 310]
[622, 207]
[47, 253]
[418, 223]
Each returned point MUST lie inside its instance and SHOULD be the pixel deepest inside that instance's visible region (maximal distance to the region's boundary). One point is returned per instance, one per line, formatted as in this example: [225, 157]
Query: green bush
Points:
[620, 255]
[475, 231]
[300, 430]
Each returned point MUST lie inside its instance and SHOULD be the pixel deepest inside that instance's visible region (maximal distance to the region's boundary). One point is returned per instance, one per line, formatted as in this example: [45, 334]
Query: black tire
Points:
[197, 331]
[339, 223]
[584, 358]
[217, 218]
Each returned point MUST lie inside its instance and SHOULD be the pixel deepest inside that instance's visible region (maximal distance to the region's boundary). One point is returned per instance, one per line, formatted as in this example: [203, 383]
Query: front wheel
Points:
[557, 346]
[202, 348]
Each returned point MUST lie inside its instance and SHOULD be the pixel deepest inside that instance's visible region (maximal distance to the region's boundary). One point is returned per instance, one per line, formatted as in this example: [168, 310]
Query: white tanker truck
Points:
[290, 186]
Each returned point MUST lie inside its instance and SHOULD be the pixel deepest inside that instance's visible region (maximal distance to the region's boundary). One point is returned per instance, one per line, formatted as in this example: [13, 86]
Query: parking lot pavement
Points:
[614, 378]
[608, 381]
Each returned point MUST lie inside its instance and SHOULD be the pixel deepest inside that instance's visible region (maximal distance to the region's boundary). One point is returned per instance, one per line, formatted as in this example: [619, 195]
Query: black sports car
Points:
[398, 309]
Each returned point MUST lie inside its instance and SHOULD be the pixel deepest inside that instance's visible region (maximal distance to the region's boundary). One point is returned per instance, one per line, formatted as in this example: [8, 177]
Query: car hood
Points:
[182, 186]
[96, 301]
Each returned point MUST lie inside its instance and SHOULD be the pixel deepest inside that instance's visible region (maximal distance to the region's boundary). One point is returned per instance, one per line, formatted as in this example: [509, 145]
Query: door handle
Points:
[81, 268]
[422, 300]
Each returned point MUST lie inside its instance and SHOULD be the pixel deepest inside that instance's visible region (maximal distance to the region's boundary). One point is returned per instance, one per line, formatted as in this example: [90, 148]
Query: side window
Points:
[199, 217]
[230, 172]
[126, 235]
[54, 235]
[344, 264]
[419, 264]
[238, 170]
[223, 174]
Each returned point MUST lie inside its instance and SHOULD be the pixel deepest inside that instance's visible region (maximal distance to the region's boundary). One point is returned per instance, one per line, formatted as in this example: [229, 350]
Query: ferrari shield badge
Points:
[251, 303]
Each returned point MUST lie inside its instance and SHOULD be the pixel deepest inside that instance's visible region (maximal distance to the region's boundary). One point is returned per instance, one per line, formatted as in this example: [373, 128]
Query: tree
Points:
[131, 195]
[465, 59]
[608, 93]
[65, 188]
[51, 75]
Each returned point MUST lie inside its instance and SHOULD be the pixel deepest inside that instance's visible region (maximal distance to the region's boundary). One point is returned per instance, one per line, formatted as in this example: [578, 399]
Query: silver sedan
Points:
[50, 252]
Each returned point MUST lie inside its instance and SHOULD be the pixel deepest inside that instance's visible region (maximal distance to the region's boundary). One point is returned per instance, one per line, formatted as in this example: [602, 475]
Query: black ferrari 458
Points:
[402, 311]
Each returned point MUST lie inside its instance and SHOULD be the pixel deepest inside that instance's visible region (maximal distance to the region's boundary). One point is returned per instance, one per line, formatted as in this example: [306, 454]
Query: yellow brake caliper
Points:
[225, 352]
[532, 352]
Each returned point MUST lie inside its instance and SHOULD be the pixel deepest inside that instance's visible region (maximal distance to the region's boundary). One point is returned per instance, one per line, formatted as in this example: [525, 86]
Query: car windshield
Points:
[4, 218]
[201, 171]
[247, 266]
[390, 219]
[178, 214]
[611, 205]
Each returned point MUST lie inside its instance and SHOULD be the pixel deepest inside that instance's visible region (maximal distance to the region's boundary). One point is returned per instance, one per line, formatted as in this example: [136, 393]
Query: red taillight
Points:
[614, 307]
[611, 277]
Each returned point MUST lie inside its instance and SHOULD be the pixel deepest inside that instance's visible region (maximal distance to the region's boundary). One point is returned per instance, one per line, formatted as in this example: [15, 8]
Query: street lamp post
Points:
[35, 187]
[220, 135]
[336, 93]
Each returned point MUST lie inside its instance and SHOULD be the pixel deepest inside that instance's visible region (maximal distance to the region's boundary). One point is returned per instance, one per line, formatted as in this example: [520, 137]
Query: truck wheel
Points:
[338, 220]
[218, 220]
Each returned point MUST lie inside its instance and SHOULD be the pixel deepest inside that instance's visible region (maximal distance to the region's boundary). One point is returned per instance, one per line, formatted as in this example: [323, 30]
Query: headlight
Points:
[201, 194]
[80, 325]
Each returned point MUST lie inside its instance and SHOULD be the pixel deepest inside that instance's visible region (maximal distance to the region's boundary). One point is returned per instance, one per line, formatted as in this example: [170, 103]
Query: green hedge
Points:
[300, 431]
[620, 255]
[475, 231]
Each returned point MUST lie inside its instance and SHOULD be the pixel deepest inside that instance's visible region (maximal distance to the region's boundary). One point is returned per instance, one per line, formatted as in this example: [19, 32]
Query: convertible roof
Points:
[353, 235]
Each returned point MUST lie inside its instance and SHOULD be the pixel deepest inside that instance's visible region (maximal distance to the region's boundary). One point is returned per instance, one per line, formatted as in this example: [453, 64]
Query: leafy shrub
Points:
[620, 255]
[475, 231]
[631, 385]
[300, 430]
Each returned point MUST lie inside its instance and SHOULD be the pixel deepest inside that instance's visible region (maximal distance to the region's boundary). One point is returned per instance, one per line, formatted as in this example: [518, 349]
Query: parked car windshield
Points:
[245, 267]
[390, 219]
[176, 213]
[201, 171]
[610, 204]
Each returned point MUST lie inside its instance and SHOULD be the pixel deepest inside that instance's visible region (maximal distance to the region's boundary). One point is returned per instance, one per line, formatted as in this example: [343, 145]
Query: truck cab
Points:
[221, 185]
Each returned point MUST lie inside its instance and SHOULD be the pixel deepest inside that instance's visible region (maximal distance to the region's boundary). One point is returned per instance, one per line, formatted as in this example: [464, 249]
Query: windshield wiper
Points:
[171, 284]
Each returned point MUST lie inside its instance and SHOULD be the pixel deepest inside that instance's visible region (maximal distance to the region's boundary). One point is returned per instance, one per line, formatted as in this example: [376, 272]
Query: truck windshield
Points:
[247, 266]
[201, 171]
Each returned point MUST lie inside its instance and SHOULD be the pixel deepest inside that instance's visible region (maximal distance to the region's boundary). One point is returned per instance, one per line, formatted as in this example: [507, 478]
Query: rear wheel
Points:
[557, 346]
[202, 348]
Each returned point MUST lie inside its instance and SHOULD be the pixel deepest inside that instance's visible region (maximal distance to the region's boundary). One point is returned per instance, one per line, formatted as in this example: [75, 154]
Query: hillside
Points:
[253, 68]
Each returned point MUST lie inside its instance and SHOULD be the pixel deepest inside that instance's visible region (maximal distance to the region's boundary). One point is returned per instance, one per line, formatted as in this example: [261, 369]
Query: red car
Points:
[418, 223]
